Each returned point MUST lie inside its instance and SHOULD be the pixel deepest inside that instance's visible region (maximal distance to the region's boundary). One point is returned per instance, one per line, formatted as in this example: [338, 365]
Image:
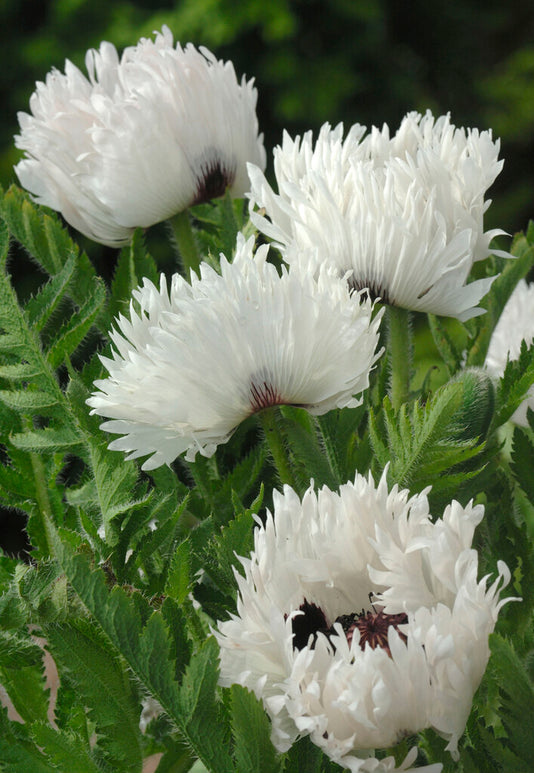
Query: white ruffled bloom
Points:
[405, 213]
[145, 137]
[515, 325]
[188, 367]
[360, 621]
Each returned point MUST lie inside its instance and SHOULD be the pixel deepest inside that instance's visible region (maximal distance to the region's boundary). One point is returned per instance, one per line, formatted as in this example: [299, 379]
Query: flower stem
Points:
[400, 354]
[43, 501]
[185, 241]
[269, 419]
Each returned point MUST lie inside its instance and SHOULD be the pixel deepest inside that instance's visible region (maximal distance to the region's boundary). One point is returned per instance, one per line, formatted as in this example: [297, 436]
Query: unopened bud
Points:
[475, 413]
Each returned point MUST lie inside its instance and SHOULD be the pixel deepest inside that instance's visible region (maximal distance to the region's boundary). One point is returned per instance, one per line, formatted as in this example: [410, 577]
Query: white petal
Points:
[145, 137]
[190, 366]
[331, 550]
[404, 214]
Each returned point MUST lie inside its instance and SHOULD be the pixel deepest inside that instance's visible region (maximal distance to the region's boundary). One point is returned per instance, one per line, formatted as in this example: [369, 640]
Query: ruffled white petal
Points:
[405, 214]
[144, 137]
[335, 550]
[515, 325]
[189, 366]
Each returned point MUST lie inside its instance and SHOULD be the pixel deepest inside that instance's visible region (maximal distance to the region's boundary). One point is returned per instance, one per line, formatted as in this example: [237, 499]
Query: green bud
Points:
[475, 413]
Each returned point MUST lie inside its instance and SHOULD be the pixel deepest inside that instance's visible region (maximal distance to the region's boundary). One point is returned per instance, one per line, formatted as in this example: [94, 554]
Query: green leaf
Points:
[67, 750]
[147, 649]
[522, 463]
[305, 756]
[517, 696]
[18, 754]
[28, 401]
[200, 709]
[133, 265]
[74, 331]
[450, 354]
[101, 679]
[26, 688]
[17, 651]
[511, 271]
[47, 440]
[179, 581]
[43, 235]
[516, 381]
[251, 729]
[235, 539]
[41, 307]
[308, 457]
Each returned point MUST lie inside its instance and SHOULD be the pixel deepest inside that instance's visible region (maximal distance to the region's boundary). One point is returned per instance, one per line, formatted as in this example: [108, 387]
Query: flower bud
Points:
[475, 413]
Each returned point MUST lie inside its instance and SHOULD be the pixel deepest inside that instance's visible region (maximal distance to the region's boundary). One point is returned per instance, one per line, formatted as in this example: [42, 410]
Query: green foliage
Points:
[418, 443]
[130, 571]
[510, 272]
[518, 377]
[254, 752]
[516, 702]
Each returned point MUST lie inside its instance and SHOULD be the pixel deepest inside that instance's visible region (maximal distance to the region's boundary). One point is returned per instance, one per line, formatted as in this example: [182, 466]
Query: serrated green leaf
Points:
[40, 308]
[517, 696]
[67, 750]
[445, 345]
[235, 539]
[28, 400]
[47, 240]
[74, 331]
[305, 756]
[200, 710]
[180, 643]
[522, 463]
[25, 686]
[133, 265]
[47, 440]
[176, 759]
[18, 754]
[251, 729]
[516, 381]
[17, 651]
[102, 682]
[148, 651]
[503, 286]
[179, 579]
[308, 457]
[18, 371]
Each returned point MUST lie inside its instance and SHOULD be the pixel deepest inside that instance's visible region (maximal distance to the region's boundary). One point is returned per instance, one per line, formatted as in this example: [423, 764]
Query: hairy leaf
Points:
[251, 729]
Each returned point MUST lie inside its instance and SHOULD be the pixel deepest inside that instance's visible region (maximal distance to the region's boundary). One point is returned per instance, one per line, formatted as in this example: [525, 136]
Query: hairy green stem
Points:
[43, 501]
[400, 354]
[184, 238]
[322, 424]
[270, 419]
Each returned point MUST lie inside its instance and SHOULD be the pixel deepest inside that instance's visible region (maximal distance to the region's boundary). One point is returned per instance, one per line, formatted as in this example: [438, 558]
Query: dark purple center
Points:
[373, 626]
[263, 395]
[213, 180]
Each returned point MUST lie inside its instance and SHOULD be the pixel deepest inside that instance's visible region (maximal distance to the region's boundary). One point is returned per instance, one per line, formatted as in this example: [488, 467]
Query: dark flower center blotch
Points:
[372, 289]
[263, 395]
[213, 180]
[373, 627]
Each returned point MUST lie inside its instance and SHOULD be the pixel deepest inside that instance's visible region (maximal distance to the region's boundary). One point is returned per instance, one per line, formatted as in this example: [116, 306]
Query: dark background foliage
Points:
[367, 61]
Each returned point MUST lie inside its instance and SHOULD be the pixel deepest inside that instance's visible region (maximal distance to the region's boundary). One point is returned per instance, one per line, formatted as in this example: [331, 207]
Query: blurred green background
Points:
[366, 61]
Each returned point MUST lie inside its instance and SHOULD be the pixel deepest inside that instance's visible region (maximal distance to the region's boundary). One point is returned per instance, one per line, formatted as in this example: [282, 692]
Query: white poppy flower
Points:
[188, 368]
[515, 325]
[361, 621]
[403, 213]
[145, 137]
